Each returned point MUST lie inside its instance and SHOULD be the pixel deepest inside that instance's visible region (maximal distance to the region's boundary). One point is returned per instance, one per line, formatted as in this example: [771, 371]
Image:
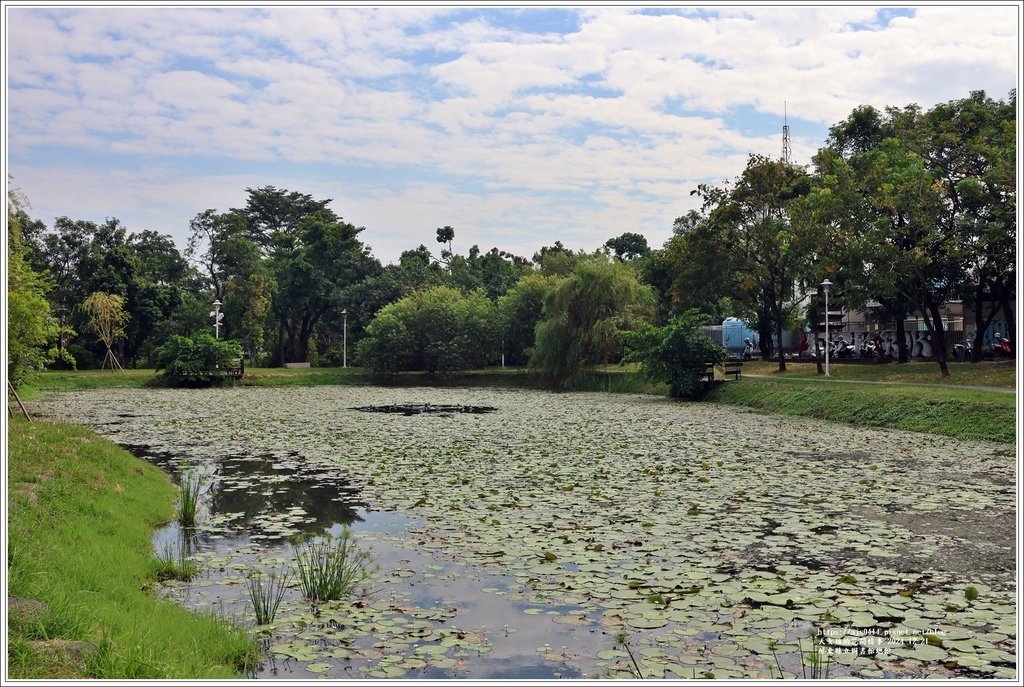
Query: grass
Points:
[80, 518]
[173, 563]
[992, 373]
[950, 411]
[332, 568]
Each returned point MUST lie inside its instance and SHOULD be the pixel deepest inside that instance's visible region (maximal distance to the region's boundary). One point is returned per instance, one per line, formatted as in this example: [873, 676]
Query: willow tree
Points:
[106, 317]
[585, 316]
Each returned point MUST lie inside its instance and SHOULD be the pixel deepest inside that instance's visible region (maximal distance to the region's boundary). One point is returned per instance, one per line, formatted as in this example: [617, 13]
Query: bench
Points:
[234, 371]
[728, 368]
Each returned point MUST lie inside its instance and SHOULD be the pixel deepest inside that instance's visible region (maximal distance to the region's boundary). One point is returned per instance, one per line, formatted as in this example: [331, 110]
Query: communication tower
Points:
[785, 135]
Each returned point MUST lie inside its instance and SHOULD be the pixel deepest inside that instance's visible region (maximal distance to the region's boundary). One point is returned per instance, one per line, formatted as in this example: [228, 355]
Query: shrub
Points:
[439, 330]
[199, 360]
[676, 354]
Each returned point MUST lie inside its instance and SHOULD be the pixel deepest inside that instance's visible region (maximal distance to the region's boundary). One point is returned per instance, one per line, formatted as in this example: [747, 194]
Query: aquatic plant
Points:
[818, 658]
[622, 641]
[188, 503]
[265, 597]
[173, 563]
[332, 568]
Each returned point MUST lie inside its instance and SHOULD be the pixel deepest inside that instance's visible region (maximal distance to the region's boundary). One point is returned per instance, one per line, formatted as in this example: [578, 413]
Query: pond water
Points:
[524, 542]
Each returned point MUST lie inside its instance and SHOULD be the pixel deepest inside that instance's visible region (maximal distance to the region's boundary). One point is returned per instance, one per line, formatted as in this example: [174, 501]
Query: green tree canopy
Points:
[677, 353]
[29, 328]
[438, 330]
[585, 314]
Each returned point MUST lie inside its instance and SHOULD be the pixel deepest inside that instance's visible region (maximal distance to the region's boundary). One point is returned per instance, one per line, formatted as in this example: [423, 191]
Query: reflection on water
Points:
[253, 509]
[244, 491]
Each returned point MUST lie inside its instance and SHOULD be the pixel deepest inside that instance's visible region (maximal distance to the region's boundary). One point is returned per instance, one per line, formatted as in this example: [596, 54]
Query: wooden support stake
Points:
[10, 387]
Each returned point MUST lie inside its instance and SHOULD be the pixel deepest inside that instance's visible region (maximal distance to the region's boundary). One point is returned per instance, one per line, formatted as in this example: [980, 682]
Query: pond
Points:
[586, 535]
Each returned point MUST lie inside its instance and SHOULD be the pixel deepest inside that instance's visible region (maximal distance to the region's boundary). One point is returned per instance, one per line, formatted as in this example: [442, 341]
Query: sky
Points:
[518, 126]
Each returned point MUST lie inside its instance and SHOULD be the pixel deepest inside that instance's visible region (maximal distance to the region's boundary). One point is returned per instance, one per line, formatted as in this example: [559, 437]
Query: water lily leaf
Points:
[318, 667]
[647, 623]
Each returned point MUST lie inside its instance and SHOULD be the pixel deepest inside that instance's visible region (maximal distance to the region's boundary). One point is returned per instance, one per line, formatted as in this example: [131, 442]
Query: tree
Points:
[752, 218]
[970, 144]
[29, 328]
[446, 234]
[676, 354]
[106, 318]
[628, 246]
[271, 212]
[519, 311]
[310, 266]
[439, 330]
[941, 204]
[584, 316]
[197, 360]
[698, 263]
[557, 260]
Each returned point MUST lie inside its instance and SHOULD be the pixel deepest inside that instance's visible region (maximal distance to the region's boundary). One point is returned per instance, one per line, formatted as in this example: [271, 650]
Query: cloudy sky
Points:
[516, 126]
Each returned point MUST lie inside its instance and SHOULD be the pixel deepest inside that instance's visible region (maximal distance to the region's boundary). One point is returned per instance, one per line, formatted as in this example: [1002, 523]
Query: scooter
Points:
[749, 351]
[965, 350]
[1001, 346]
[843, 349]
[867, 349]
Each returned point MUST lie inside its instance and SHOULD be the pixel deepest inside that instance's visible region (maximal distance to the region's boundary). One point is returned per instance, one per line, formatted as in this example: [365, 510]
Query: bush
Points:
[439, 330]
[199, 360]
[676, 354]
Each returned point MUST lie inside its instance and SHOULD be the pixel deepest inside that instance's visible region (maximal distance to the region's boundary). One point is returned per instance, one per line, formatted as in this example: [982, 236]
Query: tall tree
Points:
[970, 146]
[753, 218]
[628, 246]
[311, 265]
[942, 202]
[28, 326]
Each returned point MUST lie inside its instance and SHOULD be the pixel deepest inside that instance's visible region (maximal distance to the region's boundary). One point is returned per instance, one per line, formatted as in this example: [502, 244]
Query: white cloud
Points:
[591, 132]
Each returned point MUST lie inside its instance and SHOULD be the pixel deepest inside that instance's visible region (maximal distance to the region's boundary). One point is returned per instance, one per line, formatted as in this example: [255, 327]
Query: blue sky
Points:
[518, 127]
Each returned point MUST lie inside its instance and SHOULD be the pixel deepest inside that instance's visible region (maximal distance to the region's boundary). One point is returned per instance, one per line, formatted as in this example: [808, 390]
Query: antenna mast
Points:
[785, 134]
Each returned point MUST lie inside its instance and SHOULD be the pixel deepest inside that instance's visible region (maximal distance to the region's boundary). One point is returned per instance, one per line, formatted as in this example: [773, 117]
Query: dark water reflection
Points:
[247, 498]
[241, 489]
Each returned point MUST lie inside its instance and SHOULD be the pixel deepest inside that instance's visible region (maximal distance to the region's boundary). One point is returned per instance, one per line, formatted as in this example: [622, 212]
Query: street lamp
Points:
[824, 285]
[344, 339]
[217, 316]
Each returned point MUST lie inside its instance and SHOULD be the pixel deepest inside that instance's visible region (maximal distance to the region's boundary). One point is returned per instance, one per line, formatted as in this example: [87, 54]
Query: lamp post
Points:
[824, 285]
[217, 316]
[344, 339]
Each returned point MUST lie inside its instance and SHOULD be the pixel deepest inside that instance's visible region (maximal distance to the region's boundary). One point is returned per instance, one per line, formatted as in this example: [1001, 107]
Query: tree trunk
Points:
[817, 353]
[981, 323]
[933, 318]
[901, 339]
[764, 333]
[782, 352]
[1011, 322]
[280, 342]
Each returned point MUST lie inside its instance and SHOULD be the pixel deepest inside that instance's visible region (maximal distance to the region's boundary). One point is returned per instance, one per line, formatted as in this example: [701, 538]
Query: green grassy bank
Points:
[81, 513]
[950, 411]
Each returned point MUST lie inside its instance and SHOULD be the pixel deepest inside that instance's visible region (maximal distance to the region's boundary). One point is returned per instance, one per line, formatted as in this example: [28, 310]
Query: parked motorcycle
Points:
[749, 351]
[844, 349]
[1001, 346]
[867, 349]
[963, 351]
